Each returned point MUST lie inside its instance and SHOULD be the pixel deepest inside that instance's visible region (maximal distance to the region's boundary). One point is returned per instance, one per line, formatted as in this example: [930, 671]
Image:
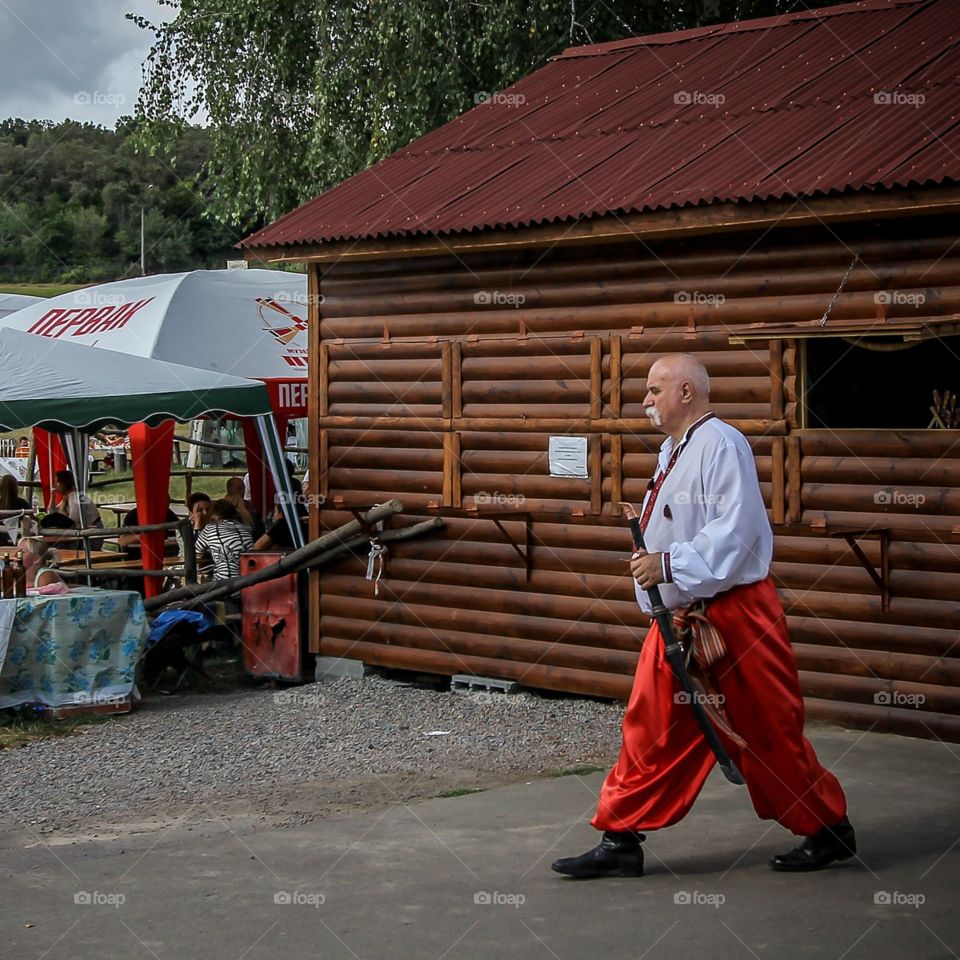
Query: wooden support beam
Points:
[596, 378]
[452, 468]
[616, 472]
[793, 479]
[456, 379]
[318, 359]
[778, 480]
[776, 379]
[446, 365]
[595, 468]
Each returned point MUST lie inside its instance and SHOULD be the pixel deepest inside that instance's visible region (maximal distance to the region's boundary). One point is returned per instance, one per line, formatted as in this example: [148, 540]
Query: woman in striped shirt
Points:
[224, 538]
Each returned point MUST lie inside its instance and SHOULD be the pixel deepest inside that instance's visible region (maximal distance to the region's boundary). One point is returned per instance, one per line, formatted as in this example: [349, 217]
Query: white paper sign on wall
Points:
[568, 457]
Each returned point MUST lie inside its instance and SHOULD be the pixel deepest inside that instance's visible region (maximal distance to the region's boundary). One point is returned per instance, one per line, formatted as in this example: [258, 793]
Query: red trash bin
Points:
[274, 622]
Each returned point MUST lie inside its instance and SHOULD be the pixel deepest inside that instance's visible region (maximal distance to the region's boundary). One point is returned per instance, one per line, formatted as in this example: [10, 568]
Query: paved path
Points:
[469, 876]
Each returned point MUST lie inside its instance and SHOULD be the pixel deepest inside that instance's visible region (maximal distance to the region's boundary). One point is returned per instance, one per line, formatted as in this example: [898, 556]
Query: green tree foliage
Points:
[301, 94]
[70, 199]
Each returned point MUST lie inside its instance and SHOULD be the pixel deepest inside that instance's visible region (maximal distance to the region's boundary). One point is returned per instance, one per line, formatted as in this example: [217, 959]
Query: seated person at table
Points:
[70, 513]
[248, 516]
[39, 561]
[224, 538]
[278, 533]
[130, 542]
[199, 506]
[10, 499]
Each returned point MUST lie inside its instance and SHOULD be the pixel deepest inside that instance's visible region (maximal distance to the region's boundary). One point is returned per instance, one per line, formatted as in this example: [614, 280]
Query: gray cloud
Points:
[72, 58]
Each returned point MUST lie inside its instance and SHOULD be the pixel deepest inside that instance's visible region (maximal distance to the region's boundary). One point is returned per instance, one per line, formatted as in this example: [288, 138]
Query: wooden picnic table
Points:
[121, 509]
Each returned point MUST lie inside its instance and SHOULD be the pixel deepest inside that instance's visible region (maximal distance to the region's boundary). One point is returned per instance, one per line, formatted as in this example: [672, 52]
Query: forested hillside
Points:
[71, 196]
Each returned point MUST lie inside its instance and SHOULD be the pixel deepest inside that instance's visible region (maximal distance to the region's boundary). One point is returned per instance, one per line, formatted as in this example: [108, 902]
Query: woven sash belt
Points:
[704, 646]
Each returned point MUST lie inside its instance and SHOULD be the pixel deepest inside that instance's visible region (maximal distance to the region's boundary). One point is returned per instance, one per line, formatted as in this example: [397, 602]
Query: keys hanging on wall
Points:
[375, 561]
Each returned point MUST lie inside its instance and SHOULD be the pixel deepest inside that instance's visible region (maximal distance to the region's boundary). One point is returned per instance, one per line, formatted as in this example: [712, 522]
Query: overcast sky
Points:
[72, 58]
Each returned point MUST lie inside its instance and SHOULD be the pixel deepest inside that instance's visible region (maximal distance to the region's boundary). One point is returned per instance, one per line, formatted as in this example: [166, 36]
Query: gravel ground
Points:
[287, 757]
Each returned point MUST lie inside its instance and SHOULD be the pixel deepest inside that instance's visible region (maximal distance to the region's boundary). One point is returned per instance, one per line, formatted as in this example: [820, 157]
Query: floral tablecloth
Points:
[80, 647]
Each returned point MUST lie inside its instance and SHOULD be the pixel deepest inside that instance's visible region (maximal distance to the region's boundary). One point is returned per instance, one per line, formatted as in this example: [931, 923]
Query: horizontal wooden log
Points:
[732, 390]
[385, 392]
[879, 665]
[882, 719]
[888, 637]
[534, 393]
[707, 258]
[575, 409]
[527, 367]
[856, 580]
[419, 440]
[636, 425]
[720, 364]
[880, 443]
[400, 481]
[387, 368]
[513, 342]
[357, 499]
[425, 350]
[528, 486]
[461, 643]
[392, 458]
[497, 441]
[814, 549]
[506, 461]
[397, 412]
[919, 527]
[565, 609]
[495, 624]
[428, 503]
[881, 499]
[606, 563]
[588, 682]
[739, 284]
[919, 696]
[905, 611]
[824, 552]
[589, 586]
[525, 485]
[786, 308]
[880, 473]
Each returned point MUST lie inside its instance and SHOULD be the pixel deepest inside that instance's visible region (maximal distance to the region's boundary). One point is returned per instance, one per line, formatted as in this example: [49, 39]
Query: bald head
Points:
[679, 367]
[678, 393]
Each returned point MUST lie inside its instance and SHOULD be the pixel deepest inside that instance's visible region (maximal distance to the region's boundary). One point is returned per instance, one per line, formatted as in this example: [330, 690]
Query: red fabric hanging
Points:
[50, 459]
[151, 449]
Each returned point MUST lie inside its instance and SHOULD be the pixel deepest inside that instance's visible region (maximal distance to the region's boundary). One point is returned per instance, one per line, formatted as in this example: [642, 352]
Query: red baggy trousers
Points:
[665, 759]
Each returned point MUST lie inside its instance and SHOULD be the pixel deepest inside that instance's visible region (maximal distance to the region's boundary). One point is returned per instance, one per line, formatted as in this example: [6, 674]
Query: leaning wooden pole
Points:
[321, 551]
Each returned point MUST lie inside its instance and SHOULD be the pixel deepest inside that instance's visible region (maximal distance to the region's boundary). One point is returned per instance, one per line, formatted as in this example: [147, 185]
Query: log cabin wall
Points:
[440, 379]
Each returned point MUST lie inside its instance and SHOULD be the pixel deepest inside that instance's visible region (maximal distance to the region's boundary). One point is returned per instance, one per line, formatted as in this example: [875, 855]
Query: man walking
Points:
[709, 549]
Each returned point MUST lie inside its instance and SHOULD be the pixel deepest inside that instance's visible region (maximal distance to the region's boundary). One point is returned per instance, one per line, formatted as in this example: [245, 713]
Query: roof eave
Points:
[610, 228]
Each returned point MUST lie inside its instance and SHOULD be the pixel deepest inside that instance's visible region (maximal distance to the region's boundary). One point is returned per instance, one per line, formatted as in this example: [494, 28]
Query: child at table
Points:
[39, 561]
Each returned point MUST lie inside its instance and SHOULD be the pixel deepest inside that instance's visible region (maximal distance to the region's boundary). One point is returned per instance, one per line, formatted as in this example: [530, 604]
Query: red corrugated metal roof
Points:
[781, 107]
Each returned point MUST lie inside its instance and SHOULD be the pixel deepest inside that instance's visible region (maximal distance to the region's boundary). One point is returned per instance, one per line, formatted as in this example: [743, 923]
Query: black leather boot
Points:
[838, 842]
[617, 855]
